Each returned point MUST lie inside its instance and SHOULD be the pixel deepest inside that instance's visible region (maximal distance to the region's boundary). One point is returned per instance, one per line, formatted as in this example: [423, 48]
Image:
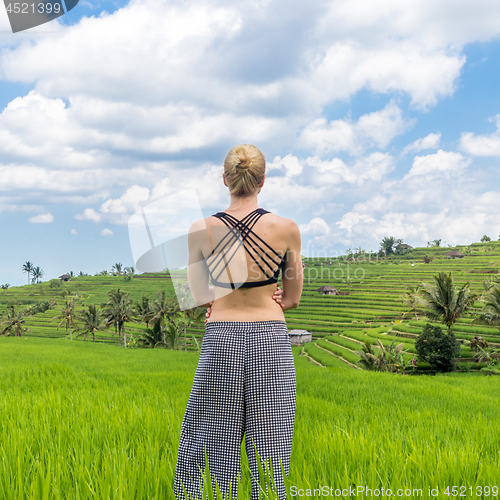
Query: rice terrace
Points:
[82, 417]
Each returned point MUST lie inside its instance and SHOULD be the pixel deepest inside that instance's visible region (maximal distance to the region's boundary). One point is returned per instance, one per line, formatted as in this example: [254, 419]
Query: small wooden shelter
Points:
[65, 277]
[298, 337]
[328, 290]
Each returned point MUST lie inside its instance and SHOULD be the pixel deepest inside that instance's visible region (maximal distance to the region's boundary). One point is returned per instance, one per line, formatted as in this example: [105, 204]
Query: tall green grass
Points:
[84, 421]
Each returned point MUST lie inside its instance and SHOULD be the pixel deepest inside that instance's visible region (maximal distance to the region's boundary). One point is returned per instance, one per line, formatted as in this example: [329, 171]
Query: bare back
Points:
[256, 303]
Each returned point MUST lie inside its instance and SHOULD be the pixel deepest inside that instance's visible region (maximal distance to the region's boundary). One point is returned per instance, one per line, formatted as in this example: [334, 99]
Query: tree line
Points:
[165, 322]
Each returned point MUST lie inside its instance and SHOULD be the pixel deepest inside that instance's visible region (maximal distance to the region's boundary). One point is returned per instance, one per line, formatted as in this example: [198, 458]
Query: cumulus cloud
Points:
[289, 164]
[178, 83]
[317, 225]
[375, 129]
[73, 231]
[442, 163]
[372, 167]
[482, 145]
[435, 201]
[454, 226]
[89, 214]
[430, 141]
[106, 232]
[200, 97]
[42, 219]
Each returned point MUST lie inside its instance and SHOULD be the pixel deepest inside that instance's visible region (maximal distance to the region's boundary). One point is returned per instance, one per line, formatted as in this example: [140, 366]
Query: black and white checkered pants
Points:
[244, 386]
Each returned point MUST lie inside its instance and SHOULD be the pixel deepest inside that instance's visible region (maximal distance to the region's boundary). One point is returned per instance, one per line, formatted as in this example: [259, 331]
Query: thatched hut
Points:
[454, 254]
[65, 277]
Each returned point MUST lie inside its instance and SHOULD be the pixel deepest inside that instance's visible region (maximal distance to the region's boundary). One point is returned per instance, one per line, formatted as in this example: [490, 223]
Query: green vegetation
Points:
[383, 298]
[438, 349]
[83, 420]
[444, 302]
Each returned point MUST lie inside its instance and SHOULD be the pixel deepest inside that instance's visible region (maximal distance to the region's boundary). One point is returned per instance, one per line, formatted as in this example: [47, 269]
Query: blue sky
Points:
[375, 119]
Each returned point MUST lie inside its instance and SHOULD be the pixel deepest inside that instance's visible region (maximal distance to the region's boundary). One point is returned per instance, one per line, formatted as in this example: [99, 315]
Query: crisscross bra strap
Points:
[243, 228]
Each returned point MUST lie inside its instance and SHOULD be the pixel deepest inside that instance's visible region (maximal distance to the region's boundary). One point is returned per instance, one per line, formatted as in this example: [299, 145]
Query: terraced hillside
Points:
[373, 308]
[369, 309]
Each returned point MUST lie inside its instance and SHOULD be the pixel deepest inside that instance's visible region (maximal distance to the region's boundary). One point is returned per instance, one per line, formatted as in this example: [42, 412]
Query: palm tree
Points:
[144, 311]
[130, 270]
[434, 243]
[67, 316]
[411, 298]
[388, 244]
[38, 273]
[153, 336]
[118, 310]
[444, 301]
[13, 323]
[172, 332]
[491, 316]
[111, 309]
[27, 268]
[191, 315]
[117, 269]
[368, 357]
[164, 306]
[388, 358]
[93, 321]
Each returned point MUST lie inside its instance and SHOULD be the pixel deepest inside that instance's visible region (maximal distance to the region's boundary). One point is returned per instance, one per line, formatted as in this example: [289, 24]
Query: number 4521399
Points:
[27, 8]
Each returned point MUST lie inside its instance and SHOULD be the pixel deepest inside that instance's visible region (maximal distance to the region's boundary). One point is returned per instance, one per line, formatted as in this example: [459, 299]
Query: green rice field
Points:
[84, 420]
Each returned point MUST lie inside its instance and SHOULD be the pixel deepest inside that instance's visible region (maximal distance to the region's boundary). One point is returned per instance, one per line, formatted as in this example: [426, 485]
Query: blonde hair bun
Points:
[244, 168]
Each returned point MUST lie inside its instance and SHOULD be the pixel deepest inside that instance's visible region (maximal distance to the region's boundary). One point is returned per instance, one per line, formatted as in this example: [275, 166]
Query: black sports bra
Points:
[244, 230]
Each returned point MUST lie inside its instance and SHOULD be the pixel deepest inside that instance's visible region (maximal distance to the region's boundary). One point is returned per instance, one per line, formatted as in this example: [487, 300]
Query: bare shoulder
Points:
[199, 225]
[283, 222]
[286, 228]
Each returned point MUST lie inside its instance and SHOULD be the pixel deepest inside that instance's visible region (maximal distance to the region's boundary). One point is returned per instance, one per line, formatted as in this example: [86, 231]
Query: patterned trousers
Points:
[244, 386]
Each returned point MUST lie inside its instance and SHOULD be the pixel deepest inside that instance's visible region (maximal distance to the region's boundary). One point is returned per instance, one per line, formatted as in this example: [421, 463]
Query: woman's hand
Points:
[277, 296]
[209, 311]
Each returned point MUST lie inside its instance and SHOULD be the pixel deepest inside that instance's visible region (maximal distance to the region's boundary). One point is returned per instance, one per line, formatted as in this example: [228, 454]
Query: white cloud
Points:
[369, 168]
[201, 97]
[482, 145]
[375, 129]
[290, 164]
[430, 141]
[42, 219]
[179, 80]
[89, 214]
[436, 201]
[317, 225]
[74, 231]
[442, 163]
[106, 232]
[32, 178]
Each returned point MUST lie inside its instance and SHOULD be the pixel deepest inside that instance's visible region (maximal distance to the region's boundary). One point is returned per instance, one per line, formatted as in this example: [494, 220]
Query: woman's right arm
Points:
[292, 272]
[197, 271]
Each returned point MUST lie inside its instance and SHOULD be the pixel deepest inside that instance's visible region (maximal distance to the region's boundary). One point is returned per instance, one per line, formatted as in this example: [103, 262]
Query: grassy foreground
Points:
[84, 421]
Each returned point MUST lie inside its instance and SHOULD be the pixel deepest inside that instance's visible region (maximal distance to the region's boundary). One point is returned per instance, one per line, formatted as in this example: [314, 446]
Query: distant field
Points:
[84, 421]
[371, 309]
